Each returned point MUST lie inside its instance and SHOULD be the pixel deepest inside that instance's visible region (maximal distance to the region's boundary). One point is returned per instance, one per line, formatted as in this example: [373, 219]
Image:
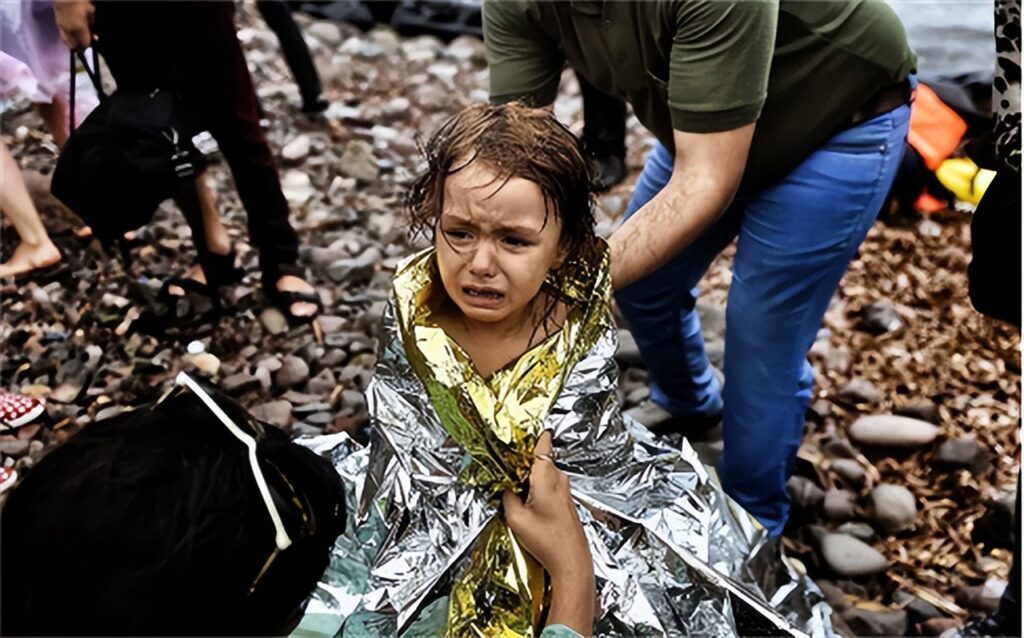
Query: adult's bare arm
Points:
[707, 170]
[74, 21]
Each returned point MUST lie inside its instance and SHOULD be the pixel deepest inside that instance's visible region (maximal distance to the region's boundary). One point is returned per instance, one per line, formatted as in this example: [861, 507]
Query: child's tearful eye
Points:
[458, 237]
[516, 242]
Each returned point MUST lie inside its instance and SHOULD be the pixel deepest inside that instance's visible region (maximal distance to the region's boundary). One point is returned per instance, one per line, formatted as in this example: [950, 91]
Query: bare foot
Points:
[195, 273]
[27, 258]
[291, 283]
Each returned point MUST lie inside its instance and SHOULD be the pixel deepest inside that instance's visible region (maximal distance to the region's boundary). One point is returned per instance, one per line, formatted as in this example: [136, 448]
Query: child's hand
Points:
[549, 528]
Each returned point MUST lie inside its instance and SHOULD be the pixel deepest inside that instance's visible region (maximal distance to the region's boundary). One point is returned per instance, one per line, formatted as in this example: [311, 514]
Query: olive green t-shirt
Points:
[799, 68]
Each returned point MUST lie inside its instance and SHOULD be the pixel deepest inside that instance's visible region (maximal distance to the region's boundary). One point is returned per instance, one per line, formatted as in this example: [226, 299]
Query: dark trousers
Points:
[604, 121]
[191, 48]
[994, 274]
[279, 18]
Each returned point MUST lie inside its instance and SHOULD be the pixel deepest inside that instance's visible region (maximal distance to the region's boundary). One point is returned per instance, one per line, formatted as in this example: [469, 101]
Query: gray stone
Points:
[320, 419]
[301, 398]
[835, 597]
[305, 409]
[322, 383]
[358, 161]
[963, 452]
[892, 431]
[880, 317]
[353, 400]
[840, 448]
[804, 493]
[277, 413]
[840, 505]
[329, 323]
[273, 321]
[865, 622]
[918, 610]
[923, 410]
[860, 392]
[294, 371]
[297, 187]
[239, 384]
[334, 357]
[467, 48]
[849, 472]
[263, 376]
[13, 446]
[270, 364]
[850, 557]
[983, 598]
[893, 507]
[297, 149]
[861, 531]
[326, 32]
[838, 359]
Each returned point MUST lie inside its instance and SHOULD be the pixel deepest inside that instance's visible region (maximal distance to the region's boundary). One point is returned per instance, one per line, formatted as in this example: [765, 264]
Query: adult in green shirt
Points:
[779, 123]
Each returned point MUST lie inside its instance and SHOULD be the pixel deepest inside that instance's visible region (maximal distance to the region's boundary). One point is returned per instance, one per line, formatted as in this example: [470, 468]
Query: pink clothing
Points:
[33, 60]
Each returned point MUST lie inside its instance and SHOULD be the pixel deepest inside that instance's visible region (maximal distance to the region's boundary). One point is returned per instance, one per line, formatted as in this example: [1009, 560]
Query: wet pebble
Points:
[277, 413]
[851, 557]
[273, 321]
[239, 384]
[982, 598]
[293, 372]
[849, 472]
[860, 392]
[839, 505]
[888, 430]
[880, 317]
[893, 507]
[963, 453]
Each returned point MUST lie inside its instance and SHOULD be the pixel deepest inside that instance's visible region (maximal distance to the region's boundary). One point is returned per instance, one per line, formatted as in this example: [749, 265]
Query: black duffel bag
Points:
[129, 155]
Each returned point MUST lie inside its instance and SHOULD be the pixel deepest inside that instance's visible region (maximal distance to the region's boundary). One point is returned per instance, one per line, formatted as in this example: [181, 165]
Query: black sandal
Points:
[283, 300]
[197, 312]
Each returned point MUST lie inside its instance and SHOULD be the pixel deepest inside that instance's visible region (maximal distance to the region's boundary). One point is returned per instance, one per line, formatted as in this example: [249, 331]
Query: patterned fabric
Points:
[17, 410]
[1006, 86]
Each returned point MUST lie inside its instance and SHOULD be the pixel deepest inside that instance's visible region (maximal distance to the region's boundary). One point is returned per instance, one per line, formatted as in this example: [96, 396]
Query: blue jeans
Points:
[795, 239]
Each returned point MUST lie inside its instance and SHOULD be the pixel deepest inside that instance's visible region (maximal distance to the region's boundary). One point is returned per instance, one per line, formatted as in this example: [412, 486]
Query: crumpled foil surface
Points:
[426, 551]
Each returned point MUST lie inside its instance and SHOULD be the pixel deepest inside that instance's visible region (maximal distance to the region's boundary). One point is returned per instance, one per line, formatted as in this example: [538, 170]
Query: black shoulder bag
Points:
[129, 155]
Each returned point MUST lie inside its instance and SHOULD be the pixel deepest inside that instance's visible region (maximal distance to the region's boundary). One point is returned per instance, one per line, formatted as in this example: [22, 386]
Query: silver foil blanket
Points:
[673, 555]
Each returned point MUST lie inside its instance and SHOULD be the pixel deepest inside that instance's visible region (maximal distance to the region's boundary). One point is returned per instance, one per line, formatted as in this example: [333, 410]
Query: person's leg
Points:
[55, 119]
[661, 311]
[278, 17]
[224, 93]
[35, 250]
[795, 242]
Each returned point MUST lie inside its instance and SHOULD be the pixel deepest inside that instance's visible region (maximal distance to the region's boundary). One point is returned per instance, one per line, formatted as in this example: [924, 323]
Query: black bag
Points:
[129, 155]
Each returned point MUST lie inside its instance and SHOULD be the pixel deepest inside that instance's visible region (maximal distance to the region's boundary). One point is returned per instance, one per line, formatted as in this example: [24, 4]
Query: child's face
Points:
[494, 249]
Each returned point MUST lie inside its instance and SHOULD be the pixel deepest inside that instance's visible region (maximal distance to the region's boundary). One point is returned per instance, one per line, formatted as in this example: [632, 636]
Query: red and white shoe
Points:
[17, 410]
[8, 476]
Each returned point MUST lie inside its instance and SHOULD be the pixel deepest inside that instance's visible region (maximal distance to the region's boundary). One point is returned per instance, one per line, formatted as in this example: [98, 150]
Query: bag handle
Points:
[94, 77]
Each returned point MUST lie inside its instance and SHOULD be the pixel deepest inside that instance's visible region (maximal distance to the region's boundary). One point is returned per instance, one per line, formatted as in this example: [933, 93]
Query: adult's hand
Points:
[549, 528]
[74, 21]
[706, 173]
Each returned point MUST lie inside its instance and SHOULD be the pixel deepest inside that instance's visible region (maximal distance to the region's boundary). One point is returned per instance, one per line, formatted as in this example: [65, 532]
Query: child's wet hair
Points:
[513, 141]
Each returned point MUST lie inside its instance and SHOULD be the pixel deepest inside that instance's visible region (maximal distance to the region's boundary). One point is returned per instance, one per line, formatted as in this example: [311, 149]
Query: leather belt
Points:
[884, 100]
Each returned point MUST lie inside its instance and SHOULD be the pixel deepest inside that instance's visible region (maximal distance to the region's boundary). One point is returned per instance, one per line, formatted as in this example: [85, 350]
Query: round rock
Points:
[888, 430]
[894, 507]
[847, 556]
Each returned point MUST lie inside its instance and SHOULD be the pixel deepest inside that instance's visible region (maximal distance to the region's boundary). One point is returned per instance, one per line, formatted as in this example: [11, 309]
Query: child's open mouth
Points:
[483, 296]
